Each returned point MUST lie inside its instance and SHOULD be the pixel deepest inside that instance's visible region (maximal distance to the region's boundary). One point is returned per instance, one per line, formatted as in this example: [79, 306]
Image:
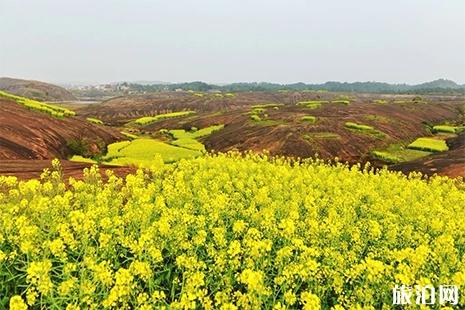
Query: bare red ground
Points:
[30, 169]
[27, 134]
[450, 163]
[284, 133]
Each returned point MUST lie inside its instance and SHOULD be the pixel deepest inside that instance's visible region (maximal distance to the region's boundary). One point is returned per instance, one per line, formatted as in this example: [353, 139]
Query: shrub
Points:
[255, 117]
[86, 147]
[78, 146]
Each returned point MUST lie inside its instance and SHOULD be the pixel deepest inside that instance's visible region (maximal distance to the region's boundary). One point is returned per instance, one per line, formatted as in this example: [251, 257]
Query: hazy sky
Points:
[233, 40]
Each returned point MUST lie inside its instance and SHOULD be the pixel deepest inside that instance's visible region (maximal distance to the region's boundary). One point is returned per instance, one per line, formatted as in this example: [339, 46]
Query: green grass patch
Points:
[35, 105]
[360, 127]
[259, 116]
[129, 135]
[312, 104]
[397, 153]
[116, 147]
[386, 156]
[257, 111]
[366, 129]
[323, 135]
[448, 128]
[346, 102]
[267, 105]
[145, 152]
[429, 144]
[94, 120]
[82, 159]
[190, 144]
[380, 101]
[151, 119]
[188, 139]
[309, 119]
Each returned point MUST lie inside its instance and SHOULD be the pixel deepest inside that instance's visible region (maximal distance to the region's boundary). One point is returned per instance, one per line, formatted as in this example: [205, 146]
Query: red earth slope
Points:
[26, 134]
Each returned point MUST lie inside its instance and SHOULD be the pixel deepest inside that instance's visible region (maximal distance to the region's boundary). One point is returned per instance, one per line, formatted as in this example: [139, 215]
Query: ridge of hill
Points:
[439, 85]
[35, 90]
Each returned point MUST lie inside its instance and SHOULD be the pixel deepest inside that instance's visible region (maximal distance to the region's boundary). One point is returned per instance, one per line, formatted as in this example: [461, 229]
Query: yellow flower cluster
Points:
[228, 232]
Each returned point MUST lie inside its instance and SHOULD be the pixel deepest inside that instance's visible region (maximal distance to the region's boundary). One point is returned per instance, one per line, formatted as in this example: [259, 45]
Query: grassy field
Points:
[397, 153]
[227, 232]
[151, 119]
[144, 152]
[188, 139]
[35, 105]
[429, 145]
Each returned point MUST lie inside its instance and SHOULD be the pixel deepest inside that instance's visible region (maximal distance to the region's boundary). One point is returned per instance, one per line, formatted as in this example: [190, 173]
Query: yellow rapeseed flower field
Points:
[228, 232]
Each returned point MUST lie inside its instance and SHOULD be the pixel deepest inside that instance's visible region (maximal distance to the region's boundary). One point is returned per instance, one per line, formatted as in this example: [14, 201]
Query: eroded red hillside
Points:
[26, 134]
